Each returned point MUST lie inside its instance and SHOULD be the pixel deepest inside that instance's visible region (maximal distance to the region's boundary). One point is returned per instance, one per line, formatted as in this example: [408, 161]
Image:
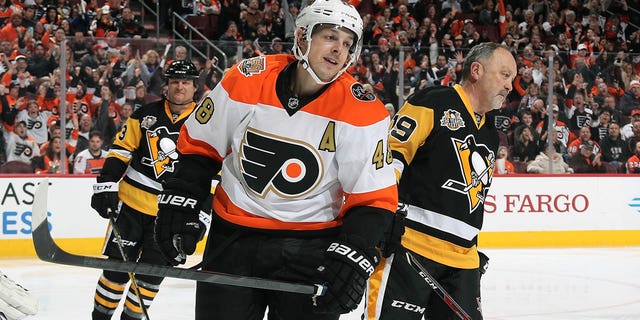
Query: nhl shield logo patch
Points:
[252, 66]
[452, 120]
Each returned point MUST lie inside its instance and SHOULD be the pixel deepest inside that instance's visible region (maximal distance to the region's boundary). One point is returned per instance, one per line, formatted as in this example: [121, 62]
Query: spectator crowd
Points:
[594, 77]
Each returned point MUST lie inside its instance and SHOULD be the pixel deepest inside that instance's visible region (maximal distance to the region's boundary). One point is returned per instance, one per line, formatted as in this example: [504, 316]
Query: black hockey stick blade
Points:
[47, 250]
[440, 291]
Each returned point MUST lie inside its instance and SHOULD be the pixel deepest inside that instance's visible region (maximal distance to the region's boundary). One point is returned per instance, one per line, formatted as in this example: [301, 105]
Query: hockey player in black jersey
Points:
[444, 147]
[142, 156]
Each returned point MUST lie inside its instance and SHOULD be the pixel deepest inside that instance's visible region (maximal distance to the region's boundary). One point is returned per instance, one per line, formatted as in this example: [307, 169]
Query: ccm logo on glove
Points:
[352, 255]
[105, 187]
[179, 201]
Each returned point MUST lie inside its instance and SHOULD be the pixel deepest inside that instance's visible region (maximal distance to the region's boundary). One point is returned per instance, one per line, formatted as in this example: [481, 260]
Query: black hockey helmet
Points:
[181, 69]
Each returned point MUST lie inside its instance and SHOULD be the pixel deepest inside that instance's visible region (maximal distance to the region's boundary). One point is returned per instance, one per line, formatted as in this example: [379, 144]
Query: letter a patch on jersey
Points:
[162, 149]
[476, 163]
[289, 168]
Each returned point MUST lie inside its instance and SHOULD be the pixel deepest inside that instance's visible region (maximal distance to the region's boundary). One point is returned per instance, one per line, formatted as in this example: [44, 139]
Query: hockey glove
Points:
[393, 235]
[484, 263]
[178, 227]
[345, 273]
[105, 198]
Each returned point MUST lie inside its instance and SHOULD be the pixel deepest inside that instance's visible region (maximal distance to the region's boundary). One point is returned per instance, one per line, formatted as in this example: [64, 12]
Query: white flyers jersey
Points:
[291, 170]
[36, 126]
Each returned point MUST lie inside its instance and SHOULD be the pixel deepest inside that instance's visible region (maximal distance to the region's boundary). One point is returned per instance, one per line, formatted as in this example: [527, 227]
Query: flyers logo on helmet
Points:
[270, 163]
[162, 151]
[476, 163]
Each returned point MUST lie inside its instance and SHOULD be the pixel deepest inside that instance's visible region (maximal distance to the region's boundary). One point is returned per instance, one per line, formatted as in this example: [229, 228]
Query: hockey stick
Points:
[47, 250]
[134, 284]
[443, 294]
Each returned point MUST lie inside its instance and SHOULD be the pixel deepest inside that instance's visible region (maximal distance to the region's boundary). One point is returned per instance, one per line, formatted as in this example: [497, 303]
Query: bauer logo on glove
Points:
[179, 201]
[354, 256]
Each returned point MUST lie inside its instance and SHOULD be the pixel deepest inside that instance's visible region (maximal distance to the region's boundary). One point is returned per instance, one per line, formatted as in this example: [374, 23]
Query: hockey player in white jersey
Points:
[16, 302]
[306, 190]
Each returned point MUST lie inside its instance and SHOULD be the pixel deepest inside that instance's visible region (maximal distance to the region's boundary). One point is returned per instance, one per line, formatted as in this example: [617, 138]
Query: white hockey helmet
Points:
[332, 12]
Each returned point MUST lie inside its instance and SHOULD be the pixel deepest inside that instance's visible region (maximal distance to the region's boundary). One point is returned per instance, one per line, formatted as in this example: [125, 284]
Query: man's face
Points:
[126, 111]
[585, 133]
[495, 79]
[181, 54]
[32, 108]
[16, 21]
[6, 46]
[95, 143]
[39, 51]
[614, 130]
[636, 128]
[29, 13]
[127, 15]
[85, 123]
[329, 51]
[180, 91]
[21, 130]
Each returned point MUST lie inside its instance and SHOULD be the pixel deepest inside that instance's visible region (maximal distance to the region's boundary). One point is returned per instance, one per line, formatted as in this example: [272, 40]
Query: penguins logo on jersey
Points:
[289, 168]
[476, 163]
[252, 66]
[360, 93]
[162, 151]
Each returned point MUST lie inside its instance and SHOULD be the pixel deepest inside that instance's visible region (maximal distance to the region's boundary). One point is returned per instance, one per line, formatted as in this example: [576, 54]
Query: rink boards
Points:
[520, 211]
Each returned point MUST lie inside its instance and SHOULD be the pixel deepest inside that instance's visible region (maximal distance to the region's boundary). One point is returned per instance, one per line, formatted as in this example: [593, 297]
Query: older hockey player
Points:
[444, 147]
[142, 156]
[16, 302]
[306, 189]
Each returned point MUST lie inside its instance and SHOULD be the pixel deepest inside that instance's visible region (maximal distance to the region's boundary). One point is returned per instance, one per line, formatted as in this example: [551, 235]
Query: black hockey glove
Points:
[393, 235]
[105, 198]
[484, 263]
[178, 227]
[345, 273]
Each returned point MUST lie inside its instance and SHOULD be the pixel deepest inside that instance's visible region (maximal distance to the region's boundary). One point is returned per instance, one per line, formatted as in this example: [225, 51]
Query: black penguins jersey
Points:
[147, 144]
[444, 156]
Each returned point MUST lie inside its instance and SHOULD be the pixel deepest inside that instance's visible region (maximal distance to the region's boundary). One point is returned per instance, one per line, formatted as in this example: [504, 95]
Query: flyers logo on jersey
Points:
[252, 66]
[271, 163]
[34, 124]
[162, 151]
[23, 149]
[476, 163]
[452, 120]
